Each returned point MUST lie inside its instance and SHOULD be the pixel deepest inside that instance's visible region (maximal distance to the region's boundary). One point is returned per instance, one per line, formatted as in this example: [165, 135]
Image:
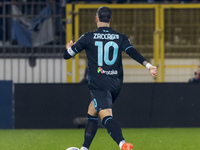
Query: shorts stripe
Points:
[92, 118]
[95, 103]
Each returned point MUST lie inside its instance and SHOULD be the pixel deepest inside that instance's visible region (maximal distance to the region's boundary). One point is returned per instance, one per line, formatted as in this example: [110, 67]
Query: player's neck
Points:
[103, 24]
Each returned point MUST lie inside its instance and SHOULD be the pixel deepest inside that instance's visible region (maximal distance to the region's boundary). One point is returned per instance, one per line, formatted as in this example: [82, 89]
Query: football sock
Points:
[113, 129]
[90, 130]
[83, 148]
[121, 143]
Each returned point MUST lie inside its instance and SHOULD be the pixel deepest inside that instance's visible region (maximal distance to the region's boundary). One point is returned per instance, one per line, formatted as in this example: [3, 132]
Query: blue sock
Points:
[113, 129]
[90, 130]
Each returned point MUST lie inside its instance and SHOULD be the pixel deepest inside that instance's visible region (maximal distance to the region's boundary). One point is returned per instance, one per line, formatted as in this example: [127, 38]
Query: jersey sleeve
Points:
[80, 44]
[131, 51]
[76, 48]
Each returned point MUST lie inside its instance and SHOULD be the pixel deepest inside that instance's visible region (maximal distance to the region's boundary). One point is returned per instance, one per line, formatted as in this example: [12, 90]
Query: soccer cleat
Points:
[127, 146]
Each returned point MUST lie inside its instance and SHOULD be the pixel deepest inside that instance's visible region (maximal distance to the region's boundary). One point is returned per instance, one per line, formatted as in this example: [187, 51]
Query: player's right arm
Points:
[73, 48]
[69, 52]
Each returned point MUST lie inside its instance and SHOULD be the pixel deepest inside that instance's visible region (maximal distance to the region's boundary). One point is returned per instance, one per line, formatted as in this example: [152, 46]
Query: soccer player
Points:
[105, 74]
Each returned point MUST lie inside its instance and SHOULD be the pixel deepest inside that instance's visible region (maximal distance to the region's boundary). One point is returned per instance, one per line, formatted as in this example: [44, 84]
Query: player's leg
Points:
[102, 104]
[111, 125]
[114, 129]
[91, 127]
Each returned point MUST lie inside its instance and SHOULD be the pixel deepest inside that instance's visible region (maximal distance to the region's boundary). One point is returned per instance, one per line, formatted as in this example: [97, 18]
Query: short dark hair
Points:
[104, 14]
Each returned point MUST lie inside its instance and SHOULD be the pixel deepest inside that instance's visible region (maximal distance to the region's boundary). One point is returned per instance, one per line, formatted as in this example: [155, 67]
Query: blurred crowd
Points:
[133, 1]
[57, 8]
[27, 17]
[63, 2]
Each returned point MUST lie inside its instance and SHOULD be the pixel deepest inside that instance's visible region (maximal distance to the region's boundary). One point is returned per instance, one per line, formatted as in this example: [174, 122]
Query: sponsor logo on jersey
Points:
[107, 72]
[99, 70]
[106, 36]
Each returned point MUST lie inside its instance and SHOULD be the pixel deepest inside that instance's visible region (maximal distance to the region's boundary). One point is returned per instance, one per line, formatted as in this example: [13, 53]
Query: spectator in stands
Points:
[196, 78]
[89, 1]
[175, 1]
[178, 1]
[195, 1]
[190, 1]
[165, 1]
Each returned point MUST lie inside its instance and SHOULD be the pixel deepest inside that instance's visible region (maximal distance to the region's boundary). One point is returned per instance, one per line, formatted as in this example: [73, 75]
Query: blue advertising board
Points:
[6, 105]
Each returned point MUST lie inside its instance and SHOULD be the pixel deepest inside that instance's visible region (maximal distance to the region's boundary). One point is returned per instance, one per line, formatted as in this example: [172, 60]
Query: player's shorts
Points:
[103, 99]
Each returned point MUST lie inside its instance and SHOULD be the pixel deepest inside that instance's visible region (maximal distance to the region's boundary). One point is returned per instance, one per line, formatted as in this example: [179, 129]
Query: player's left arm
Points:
[133, 53]
[72, 48]
[152, 69]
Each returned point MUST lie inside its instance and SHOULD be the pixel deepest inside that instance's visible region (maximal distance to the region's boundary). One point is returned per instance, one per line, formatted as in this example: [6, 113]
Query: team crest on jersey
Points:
[109, 72]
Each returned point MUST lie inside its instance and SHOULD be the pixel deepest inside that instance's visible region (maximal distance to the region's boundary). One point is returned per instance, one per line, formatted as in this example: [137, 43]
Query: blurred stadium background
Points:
[34, 34]
[38, 88]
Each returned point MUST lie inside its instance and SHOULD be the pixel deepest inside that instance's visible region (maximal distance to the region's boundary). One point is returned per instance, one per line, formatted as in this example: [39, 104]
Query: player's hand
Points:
[153, 71]
[70, 44]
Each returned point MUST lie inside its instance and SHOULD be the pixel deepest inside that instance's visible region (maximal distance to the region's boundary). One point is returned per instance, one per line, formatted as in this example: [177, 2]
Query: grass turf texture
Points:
[60, 139]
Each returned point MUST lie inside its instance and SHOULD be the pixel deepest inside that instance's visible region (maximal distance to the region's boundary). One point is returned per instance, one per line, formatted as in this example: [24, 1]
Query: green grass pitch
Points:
[60, 139]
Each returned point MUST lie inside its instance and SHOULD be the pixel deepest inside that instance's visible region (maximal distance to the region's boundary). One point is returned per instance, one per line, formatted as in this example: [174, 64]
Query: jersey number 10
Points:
[103, 52]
